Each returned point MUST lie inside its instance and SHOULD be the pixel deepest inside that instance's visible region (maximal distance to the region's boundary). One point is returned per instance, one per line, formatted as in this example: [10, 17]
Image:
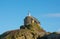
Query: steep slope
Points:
[24, 33]
[30, 30]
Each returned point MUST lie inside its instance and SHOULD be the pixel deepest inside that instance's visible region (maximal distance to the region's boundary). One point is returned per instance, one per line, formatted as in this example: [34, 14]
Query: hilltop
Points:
[30, 30]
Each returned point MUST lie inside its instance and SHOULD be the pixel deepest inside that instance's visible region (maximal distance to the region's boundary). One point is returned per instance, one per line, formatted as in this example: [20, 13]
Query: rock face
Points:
[30, 19]
[30, 30]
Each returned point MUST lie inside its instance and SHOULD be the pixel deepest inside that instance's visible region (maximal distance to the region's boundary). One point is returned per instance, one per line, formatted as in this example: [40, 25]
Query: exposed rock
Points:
[30, 30]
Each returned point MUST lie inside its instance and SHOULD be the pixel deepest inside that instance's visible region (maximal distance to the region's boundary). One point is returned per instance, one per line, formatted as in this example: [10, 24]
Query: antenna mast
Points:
[29, 13]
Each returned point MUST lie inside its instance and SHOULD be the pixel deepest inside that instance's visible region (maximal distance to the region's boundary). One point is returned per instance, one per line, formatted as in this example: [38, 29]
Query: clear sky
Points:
[13, 12]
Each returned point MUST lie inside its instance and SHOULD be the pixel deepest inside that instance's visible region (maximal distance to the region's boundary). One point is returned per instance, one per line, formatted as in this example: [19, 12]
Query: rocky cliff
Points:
[30, 31]
[25, 32]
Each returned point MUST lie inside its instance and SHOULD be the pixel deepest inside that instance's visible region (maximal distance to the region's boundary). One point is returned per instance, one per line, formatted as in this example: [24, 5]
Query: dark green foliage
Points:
[22, 27]
[29, 26]
[37, 26]
[38, 37]
[54, 33]
[0, 36]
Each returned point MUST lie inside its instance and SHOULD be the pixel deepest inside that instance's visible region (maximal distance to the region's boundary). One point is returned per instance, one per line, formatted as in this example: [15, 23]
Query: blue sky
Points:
[13, 12]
